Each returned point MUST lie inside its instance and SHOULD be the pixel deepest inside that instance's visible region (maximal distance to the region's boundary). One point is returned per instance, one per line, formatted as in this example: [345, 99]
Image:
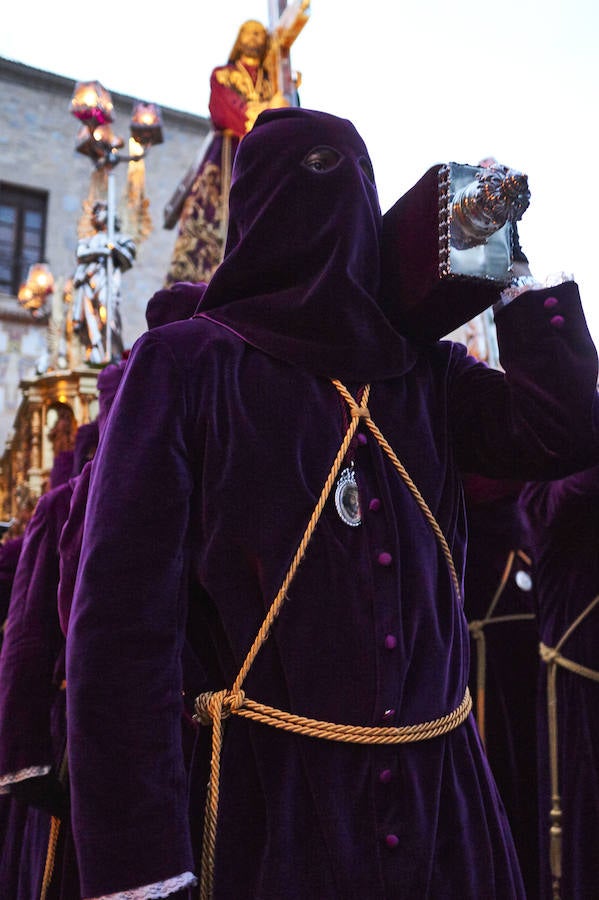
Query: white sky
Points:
[424, 82]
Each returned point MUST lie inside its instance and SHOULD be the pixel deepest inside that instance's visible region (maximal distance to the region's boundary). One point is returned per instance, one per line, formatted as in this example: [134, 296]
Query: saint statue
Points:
[96, 287]
[239, 92]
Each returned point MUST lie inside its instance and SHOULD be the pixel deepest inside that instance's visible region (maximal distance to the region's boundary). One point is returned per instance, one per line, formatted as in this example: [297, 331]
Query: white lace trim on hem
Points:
[153, 891]
[21, 775]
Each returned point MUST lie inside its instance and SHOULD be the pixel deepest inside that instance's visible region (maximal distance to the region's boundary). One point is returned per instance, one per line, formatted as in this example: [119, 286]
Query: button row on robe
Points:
[551, 303]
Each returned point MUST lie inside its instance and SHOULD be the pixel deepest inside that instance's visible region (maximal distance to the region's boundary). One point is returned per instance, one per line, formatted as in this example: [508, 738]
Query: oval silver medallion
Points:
[347, 499]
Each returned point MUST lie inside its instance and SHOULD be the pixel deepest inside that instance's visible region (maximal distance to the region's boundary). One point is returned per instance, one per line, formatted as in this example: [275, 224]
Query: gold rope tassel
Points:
[214, 708]
[553, 658]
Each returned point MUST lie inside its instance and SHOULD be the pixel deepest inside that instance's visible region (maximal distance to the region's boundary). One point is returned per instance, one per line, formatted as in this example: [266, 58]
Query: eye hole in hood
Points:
[322, 159]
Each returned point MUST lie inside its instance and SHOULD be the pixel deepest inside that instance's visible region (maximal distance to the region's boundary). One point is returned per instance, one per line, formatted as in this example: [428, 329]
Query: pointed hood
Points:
[300, 277]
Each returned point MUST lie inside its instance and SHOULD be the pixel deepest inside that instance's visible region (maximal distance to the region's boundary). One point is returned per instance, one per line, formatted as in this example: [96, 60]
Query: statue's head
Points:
[252, 41]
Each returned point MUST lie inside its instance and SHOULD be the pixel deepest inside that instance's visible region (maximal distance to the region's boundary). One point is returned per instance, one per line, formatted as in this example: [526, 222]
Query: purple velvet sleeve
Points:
[540, 420]
[562, 501]
[126, 630]
[32, 643]
[70, 545]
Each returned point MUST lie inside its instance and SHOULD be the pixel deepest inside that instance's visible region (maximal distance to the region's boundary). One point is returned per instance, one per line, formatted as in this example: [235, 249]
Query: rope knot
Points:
[548, 654]
[212, 706]
[476, 628]
[360, 412]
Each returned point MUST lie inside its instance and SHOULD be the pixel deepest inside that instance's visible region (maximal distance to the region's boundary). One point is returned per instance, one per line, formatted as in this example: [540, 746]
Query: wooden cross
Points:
[285, 21]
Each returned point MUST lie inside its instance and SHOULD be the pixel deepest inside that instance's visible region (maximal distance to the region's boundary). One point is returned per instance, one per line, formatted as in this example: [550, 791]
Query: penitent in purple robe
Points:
[563, 523]
[12, 813]
[32, 704]
[213, 459]
[498, 570]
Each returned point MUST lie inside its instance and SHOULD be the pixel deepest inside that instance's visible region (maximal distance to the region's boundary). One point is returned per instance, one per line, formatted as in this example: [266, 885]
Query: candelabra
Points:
[35, 292]
[102, 258]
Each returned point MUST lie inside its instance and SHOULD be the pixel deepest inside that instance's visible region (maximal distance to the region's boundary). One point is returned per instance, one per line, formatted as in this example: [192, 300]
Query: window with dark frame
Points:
[23, 214]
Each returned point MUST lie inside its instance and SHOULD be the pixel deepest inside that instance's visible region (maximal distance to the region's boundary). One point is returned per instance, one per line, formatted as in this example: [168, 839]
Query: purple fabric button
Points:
[388, 714]
[385, 776]
[362, 439]
[374, 505]
[390, 642]
[557, 321]
[550, 302]
[384, 558]
[391, 841]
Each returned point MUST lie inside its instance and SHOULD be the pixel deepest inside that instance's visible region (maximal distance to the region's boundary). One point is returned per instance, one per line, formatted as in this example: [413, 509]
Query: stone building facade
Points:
[37, 154]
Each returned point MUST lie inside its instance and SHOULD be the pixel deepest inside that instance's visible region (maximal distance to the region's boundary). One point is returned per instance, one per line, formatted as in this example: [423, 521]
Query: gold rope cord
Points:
[214, 707]
[331, 731]
[362, 412]
[50, 856]
[477, 630]
[553, 658]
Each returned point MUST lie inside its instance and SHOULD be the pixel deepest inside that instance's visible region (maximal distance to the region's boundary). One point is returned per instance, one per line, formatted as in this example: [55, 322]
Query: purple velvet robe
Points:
[32, 705]
[10, 550]
[563, 523]
[191, 535]
[32, 695]
[13, 813]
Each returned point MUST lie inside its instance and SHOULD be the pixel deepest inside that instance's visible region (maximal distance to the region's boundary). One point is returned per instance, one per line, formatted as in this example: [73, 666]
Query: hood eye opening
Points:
[322, 159]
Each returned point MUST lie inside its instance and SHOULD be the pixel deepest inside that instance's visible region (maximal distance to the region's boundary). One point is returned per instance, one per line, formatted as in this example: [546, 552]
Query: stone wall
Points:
[37, 141]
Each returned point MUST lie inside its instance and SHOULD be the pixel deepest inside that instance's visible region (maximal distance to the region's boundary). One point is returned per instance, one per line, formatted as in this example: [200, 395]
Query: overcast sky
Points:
[424, 83]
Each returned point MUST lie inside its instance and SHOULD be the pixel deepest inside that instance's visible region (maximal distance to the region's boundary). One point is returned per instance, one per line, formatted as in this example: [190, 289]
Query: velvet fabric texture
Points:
[180, 301]
[86, 441]
[186, 543]
[562, 518]
[495, 531]
[62, 468]
[107, 384]
[167, 305]
[10, 549]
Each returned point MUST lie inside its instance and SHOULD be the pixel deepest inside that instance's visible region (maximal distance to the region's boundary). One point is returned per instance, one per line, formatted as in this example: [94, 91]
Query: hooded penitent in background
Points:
[32, 698]
[499, 603]
[212, 524]
[562, 519]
